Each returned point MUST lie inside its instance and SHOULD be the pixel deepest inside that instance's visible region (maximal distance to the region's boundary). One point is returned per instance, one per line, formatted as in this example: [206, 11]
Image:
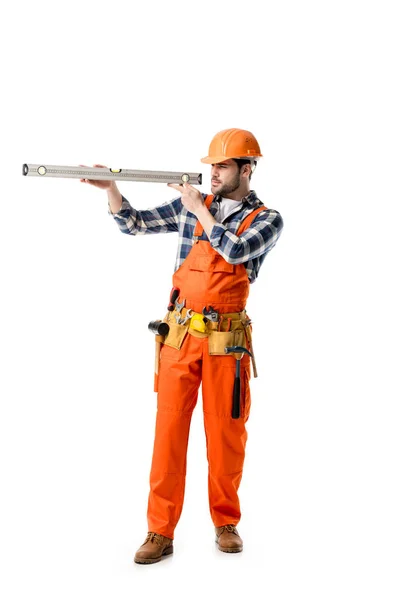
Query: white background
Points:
[146, 86]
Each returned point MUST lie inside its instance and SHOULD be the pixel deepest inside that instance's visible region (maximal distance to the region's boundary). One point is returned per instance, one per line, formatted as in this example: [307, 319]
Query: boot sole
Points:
[229, 550]
[150, 561]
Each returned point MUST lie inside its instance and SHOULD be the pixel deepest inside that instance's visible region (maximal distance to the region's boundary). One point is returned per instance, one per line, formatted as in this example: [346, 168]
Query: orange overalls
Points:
[204, 279]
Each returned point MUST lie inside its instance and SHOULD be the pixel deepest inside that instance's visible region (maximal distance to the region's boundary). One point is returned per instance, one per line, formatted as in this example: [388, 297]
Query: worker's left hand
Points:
[192, 199]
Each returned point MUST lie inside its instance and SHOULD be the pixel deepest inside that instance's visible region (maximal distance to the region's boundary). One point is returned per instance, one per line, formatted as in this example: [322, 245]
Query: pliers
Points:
[220, 323]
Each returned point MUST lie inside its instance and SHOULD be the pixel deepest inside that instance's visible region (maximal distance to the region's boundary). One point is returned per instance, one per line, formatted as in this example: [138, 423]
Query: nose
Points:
[214, 171]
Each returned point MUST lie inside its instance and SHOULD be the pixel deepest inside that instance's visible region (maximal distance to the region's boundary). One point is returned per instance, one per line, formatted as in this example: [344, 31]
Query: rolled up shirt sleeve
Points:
[162, 219]
[257, 240]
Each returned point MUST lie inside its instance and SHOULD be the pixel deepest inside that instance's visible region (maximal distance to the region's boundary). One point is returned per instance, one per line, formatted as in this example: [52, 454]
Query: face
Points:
[225, 177]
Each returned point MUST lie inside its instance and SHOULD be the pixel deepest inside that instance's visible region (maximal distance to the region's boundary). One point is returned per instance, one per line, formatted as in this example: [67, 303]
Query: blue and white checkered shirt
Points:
[250, 248]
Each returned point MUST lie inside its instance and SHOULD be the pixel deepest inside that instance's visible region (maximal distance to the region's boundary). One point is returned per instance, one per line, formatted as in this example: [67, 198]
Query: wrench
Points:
[211, 314]
[178, 309]
[188, 316]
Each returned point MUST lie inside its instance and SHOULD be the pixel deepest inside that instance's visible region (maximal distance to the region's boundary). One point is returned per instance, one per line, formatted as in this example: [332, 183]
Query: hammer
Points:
[161, 329]
[238, 352]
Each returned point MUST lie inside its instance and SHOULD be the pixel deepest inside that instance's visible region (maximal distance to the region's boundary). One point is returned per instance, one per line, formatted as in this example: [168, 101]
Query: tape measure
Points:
[197, 322]
[107, 174]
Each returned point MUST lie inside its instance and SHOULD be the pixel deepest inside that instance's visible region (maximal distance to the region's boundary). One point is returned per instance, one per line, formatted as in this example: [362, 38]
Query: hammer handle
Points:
[236, 399]
[236, 393]
[253, 360]
[248, 334]
[159, 341]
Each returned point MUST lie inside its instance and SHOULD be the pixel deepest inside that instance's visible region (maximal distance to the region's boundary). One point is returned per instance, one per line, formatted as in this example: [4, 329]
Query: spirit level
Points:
[107, 174]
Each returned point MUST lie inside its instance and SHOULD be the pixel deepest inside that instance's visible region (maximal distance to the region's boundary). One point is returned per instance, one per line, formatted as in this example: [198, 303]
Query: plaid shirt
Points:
[250, 248]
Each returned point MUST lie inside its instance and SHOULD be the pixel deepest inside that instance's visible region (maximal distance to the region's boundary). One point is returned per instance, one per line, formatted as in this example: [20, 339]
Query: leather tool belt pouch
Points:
[218, 340]
[176, 334]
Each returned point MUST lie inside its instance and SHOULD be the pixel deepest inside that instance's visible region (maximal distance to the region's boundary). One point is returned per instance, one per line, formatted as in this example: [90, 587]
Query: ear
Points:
[246, 170]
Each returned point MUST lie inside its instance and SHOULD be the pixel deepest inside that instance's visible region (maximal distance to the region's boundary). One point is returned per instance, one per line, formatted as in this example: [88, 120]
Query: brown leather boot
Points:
[153, 548]
[228, 539]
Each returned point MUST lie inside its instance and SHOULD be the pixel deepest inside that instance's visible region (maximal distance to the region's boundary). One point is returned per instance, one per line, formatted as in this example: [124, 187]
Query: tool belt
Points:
[233, 329]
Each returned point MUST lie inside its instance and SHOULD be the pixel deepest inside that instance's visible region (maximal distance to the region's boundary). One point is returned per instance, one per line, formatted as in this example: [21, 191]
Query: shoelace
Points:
[154, 537]
[230, 528]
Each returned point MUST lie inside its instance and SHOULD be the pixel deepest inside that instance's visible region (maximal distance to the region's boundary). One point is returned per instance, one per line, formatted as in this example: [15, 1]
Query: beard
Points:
[228, 187]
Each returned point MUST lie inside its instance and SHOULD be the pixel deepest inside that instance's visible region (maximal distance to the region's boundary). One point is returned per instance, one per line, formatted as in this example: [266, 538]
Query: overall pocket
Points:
[211, 264]
[218, 340]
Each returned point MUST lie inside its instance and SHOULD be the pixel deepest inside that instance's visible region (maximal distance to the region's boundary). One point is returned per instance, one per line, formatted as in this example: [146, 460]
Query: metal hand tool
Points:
[228, 326]
[210, 314]
[173, 298]
[178, 309]
[106, 174]
[238, 352]
[161, 329]
[186, 318]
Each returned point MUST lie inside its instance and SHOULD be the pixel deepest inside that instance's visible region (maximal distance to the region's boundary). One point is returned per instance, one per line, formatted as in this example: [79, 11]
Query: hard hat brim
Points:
[211, 160]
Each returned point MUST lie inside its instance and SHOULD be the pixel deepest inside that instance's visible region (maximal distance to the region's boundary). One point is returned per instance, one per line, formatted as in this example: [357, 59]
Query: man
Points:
[223, 240]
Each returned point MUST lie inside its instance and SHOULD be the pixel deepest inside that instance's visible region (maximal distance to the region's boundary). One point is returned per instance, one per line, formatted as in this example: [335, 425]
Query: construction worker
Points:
[224, 238]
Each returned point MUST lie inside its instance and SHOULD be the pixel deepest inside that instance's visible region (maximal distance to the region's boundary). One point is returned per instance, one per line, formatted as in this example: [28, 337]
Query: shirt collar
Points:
[251, 198]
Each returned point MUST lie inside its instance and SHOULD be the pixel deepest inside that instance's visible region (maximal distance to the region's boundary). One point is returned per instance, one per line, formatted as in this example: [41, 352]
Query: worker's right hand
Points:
[103, 185]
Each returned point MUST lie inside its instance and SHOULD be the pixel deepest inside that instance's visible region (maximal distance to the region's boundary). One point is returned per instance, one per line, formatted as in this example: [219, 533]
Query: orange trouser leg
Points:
[226, 437]
[178, 384]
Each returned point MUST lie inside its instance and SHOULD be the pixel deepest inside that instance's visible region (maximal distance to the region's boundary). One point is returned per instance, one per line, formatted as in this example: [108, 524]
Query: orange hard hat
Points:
[232, 143]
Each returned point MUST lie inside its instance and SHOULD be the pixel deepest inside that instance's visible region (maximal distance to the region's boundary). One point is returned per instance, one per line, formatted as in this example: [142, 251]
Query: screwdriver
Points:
[173, 297]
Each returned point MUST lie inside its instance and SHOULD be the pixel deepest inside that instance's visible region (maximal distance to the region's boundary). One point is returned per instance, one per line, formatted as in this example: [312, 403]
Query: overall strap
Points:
[198, 231]
[245, 224]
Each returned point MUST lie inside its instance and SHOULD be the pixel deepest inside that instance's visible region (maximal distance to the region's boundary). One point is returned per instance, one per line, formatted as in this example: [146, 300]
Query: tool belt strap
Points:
[213, 325]
[234, 316]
